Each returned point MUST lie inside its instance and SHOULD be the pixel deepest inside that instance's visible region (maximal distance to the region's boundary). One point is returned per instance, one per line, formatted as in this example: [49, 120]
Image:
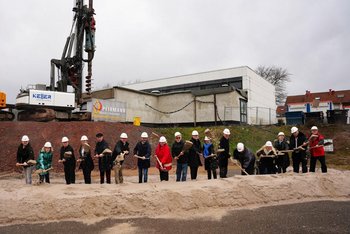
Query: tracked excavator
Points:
[63, 98]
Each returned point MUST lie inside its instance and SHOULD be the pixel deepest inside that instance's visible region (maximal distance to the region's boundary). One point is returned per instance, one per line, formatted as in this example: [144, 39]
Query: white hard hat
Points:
[314, 128]
[177, 134]
[280, 134]
[123, 135]
[294, 129]
[206, 138]
[240, 147]
[48, 145]
[194, 133]
[65, 139]
[227, 131]
[25, 138]
[268, 143]
[162, 139]
[144, 135]
[84, 138]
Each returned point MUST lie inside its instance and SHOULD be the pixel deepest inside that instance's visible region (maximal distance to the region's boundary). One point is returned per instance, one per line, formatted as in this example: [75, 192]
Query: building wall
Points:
[261, 99]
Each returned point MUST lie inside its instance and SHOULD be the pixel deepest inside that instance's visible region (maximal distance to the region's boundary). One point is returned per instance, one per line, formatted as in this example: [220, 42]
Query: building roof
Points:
[341, 96]
[281, 110]
[191, 78]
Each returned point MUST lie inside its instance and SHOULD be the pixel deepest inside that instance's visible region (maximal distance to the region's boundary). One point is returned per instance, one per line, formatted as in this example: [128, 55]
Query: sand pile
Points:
[23, 204]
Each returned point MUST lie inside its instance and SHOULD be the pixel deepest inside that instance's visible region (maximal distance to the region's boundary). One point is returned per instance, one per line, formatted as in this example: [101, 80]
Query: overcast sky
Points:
[150, 39]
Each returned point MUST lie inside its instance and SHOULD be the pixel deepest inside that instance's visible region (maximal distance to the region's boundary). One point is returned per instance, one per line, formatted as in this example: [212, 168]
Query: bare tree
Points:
[278, 77]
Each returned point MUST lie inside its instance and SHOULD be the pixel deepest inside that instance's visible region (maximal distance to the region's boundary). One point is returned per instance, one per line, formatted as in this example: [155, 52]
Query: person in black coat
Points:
[298, 142]
[180, 156]
[86, 163]
[246, 158]
[121, 149]
[24, 154]
[195, 152]
[143, 151]
[267, 163]
[104, 158]
[68, 159]
[282, 158]
[224, 156]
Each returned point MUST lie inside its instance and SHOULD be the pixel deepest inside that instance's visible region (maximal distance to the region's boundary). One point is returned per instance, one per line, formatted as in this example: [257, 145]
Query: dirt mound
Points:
[39, 133]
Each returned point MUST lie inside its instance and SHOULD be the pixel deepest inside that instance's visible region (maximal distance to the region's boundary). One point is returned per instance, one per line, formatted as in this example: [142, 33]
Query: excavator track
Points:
[6, 115]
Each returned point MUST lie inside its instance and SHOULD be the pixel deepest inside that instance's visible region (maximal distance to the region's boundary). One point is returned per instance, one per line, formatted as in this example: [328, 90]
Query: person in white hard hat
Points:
[164, 159]
[104, 158]
[142, 152]
[181, 157]
[298, 142]
[246, 158]
[24, 154]
[282, 160]
[44, 162]
[210, 160]
[85, 159]
[195, 152]
[267, 163]
[68, 159]
[225, 155]
[121, 149]
[317, 150]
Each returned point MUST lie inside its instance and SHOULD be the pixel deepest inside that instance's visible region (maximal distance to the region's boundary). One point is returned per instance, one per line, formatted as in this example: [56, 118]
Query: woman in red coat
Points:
[164, 159]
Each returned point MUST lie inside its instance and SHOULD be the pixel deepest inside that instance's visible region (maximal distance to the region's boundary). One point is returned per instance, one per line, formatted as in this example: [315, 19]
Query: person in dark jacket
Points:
[195, 152]
[282, 158]
[210, 160]
[245, 157]
[267, 154]
[68, 159]
[225, 155]
[180, 156]
[85, 159]
[104, 155]
[298, 142]
[142, 152]
[24, 154]
[121, 149]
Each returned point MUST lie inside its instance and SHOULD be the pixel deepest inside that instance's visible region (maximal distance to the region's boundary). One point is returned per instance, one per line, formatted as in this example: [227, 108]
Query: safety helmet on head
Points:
[162, 139]
[123, 135]
[294, 129]
[84, 138]
[144, 135]
[177, 134]
[226, 131]
[240, 147]
[47, 145]
[194, 133]
[65, 139]
[25, 138]
[280, 134]
[314, 128]
[206, 138]
[268, 143]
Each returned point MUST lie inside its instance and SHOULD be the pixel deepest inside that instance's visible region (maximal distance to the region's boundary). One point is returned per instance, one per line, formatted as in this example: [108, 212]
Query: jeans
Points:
[322, 160]
[181, 171]
[27, 171]
[46, 177]
[144, 172]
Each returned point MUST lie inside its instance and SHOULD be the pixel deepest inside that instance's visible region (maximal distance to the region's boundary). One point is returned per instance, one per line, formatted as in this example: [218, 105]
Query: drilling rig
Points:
[63, 98]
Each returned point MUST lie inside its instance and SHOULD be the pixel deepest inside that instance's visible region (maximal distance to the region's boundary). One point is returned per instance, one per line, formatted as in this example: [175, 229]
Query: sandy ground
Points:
[21, 203]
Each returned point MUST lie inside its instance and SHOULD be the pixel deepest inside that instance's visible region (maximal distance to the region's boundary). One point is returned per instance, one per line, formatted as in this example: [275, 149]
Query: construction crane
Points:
[45, 103]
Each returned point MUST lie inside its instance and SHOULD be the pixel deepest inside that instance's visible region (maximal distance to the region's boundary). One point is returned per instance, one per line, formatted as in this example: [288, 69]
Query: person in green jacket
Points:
[44, 162]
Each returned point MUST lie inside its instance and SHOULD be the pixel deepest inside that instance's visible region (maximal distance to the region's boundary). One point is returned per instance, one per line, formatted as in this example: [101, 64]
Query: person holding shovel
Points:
[142, 152]
[317, 150]
[225, 155]
[164, 159]
[121, 149]
[68, 159]
[86, 163]
[210, 160]
[25, 153]
[245, 158]
[181, 156]
[44, 163]
[104, 155]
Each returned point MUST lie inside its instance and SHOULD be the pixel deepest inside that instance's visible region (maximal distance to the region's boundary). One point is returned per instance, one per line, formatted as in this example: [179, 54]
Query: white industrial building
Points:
[234, 95]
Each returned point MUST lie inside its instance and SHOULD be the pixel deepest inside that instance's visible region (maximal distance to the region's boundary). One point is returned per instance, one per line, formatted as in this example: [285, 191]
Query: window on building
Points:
[243, 110]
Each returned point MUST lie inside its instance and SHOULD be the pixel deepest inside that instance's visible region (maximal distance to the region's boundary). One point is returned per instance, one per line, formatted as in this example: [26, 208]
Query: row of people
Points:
[272, 158]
